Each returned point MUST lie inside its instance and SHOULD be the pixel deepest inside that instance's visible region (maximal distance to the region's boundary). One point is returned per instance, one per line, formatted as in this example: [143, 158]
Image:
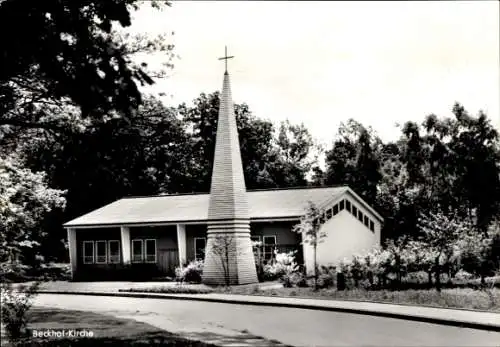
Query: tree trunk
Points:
[227, 268]
[438, 275]
[315, 269]
[370, 279]
[340, 281]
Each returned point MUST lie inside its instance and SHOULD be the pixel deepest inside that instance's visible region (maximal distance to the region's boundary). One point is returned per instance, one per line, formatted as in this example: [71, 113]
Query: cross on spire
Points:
[225, 57]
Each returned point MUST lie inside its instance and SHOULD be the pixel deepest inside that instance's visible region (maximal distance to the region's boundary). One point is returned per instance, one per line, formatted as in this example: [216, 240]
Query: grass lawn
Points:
[107, 330]
[462, 298]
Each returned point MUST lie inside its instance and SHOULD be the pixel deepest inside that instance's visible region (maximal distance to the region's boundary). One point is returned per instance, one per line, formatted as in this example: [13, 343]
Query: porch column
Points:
[181, 243]
[125, 242]
[308, 255]
[72, 247]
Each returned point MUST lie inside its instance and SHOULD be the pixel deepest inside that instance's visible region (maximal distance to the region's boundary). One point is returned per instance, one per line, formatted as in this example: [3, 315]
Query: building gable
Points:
[351, 203]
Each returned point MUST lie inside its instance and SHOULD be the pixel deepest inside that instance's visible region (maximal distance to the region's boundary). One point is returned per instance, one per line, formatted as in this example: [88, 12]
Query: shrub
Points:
[283, 265]
[192, 273]
[13, 272]
[15, 305]
[463, 276]
[294, 279]
[169, 290]
[418, 277]
[325, 280]
[53, 272]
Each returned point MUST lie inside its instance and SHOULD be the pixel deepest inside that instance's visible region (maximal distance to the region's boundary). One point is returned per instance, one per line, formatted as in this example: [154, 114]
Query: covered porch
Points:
[126, 252]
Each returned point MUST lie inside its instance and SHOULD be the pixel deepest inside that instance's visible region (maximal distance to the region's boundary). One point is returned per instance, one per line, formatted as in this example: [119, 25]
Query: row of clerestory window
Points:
[351, 208]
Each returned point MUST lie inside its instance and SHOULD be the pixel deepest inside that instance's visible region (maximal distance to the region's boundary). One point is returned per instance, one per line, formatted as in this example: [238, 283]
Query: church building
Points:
[155, 234]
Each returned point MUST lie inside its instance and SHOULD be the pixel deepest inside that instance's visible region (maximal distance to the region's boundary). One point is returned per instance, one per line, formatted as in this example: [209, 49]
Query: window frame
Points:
[341, 205]
[366, 221]
[119, 252]
[96, 252]
[360, 216]
[195, 248]
[145, 251]
[372, 225]
[354, 210]
[348, 205]
[132, 250]
[84, 255]
[335, 210]
[264, 244]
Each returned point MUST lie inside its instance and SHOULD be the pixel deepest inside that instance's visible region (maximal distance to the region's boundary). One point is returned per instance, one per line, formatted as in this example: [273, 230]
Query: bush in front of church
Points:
[282, 267]
[191, 273]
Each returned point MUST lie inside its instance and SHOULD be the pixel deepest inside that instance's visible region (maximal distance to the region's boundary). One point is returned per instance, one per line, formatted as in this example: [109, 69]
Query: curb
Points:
[423, 319]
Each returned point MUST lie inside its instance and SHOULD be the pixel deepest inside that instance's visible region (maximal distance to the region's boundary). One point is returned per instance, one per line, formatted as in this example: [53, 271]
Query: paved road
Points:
[297, 327]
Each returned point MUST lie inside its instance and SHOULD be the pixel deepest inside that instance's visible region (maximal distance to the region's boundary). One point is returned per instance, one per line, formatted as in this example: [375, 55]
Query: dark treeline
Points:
[72, 110]
[442, 165]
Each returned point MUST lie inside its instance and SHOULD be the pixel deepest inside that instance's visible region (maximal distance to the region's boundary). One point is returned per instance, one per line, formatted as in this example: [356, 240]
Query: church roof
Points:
[274, 204]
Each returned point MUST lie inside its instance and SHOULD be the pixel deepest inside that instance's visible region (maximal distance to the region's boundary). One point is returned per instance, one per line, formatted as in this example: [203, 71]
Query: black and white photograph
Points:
[249, 173]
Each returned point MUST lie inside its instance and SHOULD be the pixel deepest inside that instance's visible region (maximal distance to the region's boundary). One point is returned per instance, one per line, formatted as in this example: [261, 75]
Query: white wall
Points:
[345, 236]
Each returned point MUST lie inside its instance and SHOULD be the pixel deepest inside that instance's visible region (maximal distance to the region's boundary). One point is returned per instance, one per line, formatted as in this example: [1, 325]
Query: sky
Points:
[321, 63]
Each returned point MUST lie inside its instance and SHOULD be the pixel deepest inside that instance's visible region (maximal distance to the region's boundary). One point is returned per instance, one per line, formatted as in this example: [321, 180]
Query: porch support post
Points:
[72, 246]
[125, 243]
[181, 243]
[308, 256]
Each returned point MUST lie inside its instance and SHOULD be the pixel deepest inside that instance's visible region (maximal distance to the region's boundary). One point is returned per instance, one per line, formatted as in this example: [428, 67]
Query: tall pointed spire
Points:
[229, 256]
[228, 198]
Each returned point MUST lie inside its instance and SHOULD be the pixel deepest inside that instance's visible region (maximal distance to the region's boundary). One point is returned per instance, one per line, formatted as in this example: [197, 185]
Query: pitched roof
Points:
[263, 204]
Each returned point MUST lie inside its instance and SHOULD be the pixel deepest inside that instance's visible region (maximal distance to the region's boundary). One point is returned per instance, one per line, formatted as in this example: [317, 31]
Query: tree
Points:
[24, 200]
[223, 248]
[294, 157]
[269, 160]
[479, 252]
[310, 229]
[354, 160]
[476, 143]
[146, 155]
[71, 54]
[440, 233]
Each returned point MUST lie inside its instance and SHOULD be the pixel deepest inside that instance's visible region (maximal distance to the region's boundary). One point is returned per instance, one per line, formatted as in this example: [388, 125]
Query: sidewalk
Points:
[452, 317]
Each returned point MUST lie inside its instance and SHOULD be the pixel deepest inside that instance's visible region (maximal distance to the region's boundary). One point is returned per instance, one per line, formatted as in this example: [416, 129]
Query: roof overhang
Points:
[172, 223]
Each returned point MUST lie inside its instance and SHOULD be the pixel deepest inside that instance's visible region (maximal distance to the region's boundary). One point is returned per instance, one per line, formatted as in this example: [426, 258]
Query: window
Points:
[372, 226]
[348, 205]
[328, 214]
[322, 218]
[150, 250]
[88, 252]
[269, 246]
[360, 216]
[199, 248]
[366, 221]
[341, 205]
[335, 209]
[354, 211]
[114, 251]
[137, 254]
[101, 254]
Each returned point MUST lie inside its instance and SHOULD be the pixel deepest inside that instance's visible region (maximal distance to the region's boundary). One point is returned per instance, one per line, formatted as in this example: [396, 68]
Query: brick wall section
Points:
[228, 212]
